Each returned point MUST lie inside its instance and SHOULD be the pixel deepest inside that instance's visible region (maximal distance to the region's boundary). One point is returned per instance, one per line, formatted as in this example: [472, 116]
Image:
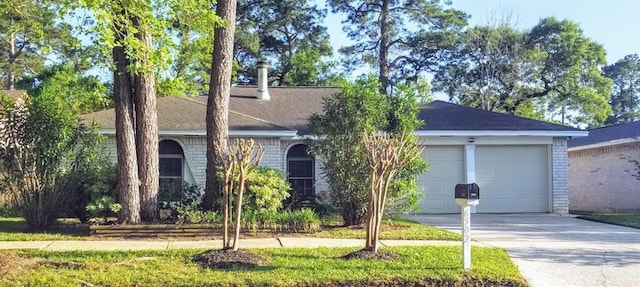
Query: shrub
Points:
[267, 190]
[95, 191]
[192, 214]
[103, 207]
[178, 205]
[359, 108]
[302, 220]
[43, 148]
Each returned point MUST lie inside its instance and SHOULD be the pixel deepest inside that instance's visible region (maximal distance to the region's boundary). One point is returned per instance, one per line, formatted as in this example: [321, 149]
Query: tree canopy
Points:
[625, 96]
[293, 40]
[552, 71]
[30, 34]
[402, 38]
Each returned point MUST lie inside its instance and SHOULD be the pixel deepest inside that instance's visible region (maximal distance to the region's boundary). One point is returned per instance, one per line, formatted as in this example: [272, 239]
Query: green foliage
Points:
[95, 189]
[190, 29]
[403, 39]
[625, 96]
[361, 107]
[103, 207]
[5, 211]
[184, 204]
[267, 190]
[302, 220]
[43, 149]
[191, 213]
[37, 34]
[293, 41]
[551, 72]
[81, 94]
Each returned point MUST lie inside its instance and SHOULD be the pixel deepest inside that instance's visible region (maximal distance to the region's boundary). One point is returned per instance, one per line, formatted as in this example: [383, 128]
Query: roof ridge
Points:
[617, 125]
[288, 87]
[260, 120]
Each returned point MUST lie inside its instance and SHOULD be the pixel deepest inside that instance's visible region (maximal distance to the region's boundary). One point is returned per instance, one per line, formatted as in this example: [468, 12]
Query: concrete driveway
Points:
[553, 250]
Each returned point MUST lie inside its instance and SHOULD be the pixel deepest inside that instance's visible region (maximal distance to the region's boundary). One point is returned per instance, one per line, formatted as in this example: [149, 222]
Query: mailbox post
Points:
[466, 195]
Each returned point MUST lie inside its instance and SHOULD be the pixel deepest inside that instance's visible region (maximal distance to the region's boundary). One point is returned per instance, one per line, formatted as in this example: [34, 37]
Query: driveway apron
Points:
[553, 250]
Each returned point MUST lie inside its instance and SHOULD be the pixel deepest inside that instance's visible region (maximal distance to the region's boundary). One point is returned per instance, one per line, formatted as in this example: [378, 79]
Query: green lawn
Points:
[396, 228]
[416, 266]
[624, 219]
[14, 229]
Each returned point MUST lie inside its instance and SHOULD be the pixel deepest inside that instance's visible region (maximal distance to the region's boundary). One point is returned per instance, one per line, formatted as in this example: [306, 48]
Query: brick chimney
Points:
[263, 81]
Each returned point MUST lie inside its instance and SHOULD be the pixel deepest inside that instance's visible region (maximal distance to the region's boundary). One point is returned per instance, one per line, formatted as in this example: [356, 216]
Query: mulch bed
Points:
[228, 258]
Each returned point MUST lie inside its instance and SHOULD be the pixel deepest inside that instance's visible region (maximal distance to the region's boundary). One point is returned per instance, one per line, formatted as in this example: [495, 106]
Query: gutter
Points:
[468, 133]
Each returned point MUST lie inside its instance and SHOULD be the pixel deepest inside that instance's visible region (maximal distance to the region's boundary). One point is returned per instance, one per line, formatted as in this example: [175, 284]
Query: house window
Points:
[300, 173]
[171, 170]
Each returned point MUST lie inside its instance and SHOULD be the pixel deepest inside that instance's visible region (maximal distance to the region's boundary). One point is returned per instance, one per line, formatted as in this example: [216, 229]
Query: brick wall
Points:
[601, 179]
[195, 153]
[559, 176]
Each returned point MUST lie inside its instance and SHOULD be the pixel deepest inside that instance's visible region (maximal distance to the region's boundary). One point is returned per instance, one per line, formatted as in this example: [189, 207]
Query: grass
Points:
[15, 229]
[395, 228]
[422, 266]
[624, 219]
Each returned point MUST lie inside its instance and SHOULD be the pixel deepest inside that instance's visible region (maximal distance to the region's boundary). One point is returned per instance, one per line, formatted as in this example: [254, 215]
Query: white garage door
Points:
[513, 178]
[446, 169]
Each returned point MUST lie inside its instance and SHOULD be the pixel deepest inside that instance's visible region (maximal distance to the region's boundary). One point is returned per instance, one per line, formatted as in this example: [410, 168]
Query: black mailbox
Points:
[467, 191]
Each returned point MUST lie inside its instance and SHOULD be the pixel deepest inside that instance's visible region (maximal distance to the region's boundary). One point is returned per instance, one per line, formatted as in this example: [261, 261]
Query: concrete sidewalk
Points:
[281, 242]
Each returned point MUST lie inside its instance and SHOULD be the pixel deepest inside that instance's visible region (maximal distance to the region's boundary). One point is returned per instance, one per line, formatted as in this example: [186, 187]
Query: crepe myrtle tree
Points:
[242, 159]
[386, 155]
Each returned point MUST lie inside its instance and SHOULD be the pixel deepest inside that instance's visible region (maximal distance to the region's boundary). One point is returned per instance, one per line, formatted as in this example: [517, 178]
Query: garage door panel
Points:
[512, 178]
[446, 169]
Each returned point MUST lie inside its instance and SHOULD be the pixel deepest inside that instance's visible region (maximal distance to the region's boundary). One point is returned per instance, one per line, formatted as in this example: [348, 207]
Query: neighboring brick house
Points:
[603, 173]
[520, 164]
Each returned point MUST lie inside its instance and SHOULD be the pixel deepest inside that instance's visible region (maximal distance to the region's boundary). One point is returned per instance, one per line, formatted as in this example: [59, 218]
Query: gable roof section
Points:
[447, 119]
[608, 135]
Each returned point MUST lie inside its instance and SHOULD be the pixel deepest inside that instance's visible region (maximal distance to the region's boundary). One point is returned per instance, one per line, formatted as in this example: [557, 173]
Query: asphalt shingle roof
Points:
[287, 110]
[440, 115]
[606, 134]
[290, 107]
[15, 94]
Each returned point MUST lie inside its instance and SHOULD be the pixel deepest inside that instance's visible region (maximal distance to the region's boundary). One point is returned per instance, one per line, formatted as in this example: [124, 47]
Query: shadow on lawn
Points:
[71, 227]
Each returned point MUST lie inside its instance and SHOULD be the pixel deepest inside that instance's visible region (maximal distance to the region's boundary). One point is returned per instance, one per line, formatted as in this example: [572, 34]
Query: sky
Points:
[615, 23]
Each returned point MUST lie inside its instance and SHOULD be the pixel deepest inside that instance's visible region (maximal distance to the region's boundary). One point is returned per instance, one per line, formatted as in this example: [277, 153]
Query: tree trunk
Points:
[9, 69]
[128, 191]
[218, 102]
[228, 187]
[146, 129]
[238, 210]
[383, 77]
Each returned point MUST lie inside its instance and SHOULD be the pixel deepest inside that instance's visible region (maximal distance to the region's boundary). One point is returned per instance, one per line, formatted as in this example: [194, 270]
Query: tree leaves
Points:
[550, 72]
